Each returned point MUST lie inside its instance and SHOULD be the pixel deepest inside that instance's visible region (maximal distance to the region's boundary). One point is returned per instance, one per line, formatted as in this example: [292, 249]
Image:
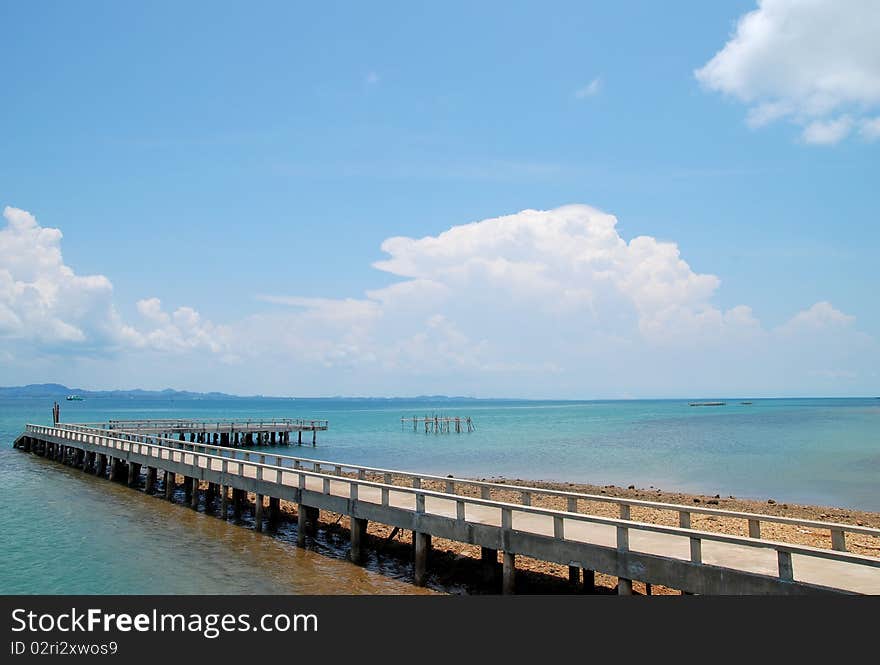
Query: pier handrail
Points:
[836, 529]
[196, 423]
[696, 537]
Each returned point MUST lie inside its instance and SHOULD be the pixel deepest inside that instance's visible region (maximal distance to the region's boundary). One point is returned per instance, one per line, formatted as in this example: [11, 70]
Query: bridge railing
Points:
[274, 473]
[574, 500]
[198, 425]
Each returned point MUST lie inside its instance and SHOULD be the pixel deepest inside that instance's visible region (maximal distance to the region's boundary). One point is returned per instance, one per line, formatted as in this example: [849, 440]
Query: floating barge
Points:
[706, 403]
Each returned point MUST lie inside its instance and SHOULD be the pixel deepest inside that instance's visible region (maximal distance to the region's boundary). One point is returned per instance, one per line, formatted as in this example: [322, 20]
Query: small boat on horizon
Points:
[706, 403]
[74, 398]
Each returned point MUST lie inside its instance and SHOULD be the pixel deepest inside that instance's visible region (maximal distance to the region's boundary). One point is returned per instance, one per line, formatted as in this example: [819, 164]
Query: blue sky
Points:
[211, 154]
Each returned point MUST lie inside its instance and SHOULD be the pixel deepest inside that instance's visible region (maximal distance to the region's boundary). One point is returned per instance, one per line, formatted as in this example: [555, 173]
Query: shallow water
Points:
[62, 531]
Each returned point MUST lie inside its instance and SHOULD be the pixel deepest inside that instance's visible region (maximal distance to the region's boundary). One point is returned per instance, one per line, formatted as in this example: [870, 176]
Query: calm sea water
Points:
[62, 531]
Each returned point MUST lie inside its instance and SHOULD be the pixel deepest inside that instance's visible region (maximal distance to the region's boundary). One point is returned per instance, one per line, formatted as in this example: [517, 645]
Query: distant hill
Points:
[58, 391]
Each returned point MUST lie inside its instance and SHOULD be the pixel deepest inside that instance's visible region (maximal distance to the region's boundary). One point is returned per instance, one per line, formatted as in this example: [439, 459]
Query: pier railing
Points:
[154, 453]
[453, 485]
[200, 425]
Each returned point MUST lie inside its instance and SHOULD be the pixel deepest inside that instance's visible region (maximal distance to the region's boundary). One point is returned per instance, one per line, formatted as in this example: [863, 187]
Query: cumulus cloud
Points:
[553, 294]
[537, 303]
[814, 62]
[44, 301]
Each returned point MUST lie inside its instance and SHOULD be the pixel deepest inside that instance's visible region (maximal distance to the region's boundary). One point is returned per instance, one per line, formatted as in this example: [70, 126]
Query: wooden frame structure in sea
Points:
[440, 424]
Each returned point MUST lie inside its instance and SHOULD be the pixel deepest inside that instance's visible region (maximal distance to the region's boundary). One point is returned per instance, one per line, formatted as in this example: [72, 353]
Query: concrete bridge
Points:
[684, 558]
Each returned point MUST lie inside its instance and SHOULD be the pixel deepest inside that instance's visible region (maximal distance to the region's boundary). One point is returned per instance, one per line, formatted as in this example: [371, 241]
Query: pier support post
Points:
[187, 489]
[224, 501]
[299, 438]
[301, 525]
[307, 523]
[114, 468]
[210, 493]
[422, 542]
[358, 538]
[194, 497]
[624, 587]
[574, 576]
[508, 574]
[170, 481]
[489, 559]
[150, 483]
[589, 581]
[101, 465]
[134, 474]
[314, 438]
[236, 502]
[258, 512]
[274, 510]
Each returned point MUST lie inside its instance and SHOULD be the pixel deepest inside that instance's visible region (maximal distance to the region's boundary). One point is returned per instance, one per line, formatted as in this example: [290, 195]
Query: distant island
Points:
[59, 391]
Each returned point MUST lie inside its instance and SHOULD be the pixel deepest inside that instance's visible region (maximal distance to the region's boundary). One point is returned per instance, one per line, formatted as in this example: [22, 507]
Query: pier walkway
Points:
[684, 558]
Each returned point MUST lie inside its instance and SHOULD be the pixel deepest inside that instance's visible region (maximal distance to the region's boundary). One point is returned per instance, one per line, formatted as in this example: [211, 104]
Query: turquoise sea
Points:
[62, 531]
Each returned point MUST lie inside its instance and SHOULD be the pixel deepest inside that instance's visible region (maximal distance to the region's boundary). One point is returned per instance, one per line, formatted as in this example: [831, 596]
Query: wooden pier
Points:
[223, 432]
[439, 424]
[470, 511]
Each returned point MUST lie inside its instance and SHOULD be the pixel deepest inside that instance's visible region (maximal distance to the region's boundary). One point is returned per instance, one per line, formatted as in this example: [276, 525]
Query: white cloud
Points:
[589, 90]
[827, 132]
[821, 316]
[814, 62]
[44, 301]
[537, 303]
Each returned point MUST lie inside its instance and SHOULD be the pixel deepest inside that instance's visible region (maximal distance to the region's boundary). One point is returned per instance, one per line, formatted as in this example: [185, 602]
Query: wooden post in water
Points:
[224, 501]
[274, 510]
